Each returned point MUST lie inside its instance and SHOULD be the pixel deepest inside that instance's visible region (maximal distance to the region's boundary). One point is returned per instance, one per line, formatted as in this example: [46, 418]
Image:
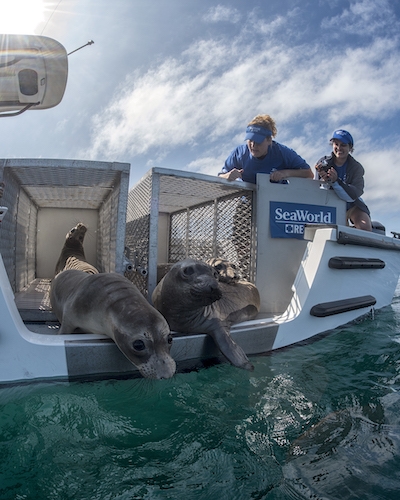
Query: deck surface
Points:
[34, 296]
[33, 302]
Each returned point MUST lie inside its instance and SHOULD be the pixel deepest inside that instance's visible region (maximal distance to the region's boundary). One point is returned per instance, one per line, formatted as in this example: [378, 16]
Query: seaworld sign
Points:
[287, 220]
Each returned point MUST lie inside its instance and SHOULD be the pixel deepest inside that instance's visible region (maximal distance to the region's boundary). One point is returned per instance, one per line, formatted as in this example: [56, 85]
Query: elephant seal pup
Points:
[193, 301]
[227, 271]
[109, 304]
[72, 254]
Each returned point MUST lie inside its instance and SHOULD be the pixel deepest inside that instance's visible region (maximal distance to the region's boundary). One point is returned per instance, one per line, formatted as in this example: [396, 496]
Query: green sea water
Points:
[315, 421]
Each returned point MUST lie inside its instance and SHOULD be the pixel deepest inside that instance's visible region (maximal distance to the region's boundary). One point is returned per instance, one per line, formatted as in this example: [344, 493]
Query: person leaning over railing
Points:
[345, 176]
[261, 154]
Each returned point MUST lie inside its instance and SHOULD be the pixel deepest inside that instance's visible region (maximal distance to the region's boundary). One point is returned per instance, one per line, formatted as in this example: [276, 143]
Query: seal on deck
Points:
[72, 254]
[192, 300]
[109, 304]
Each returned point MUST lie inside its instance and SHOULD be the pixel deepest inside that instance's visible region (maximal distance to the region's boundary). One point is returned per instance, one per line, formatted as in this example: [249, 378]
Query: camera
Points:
[323, 166]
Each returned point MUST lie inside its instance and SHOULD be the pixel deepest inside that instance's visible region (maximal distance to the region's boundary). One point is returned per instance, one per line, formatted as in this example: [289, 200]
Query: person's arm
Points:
[347, 191]
[233, 167]
[354, 185]
[338, 187]
[295, 165]
[232, 175]
[279, 175]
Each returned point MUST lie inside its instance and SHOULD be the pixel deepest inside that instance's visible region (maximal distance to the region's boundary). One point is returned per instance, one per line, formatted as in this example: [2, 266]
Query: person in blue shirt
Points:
[261, 154]
[345, 176]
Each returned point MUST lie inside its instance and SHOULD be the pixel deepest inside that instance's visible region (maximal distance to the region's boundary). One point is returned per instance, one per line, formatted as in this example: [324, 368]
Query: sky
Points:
[173, 83]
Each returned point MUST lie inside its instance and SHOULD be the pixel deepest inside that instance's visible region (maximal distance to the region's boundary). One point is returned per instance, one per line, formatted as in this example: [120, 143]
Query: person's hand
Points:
[332, 175]
[234, 174]
[327, 175]
[277, 175]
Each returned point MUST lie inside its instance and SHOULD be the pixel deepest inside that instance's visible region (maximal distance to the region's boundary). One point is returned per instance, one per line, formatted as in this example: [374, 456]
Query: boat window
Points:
[28, 82]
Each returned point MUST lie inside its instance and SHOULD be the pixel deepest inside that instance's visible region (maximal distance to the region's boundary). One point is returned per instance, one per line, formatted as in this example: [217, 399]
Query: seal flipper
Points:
[66, 327]
[232, 351]
[245, 314]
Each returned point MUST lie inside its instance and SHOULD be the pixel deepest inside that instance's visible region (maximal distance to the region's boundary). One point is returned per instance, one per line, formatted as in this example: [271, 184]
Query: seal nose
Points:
[163, 367]
[215, 292]
[211, 287]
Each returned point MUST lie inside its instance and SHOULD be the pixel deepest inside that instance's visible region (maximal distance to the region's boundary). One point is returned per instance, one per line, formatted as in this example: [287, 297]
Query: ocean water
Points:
[314, 421]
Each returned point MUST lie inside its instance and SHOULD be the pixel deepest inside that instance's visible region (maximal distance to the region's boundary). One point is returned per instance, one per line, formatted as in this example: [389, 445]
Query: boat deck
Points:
[33, 302]
[34, 296]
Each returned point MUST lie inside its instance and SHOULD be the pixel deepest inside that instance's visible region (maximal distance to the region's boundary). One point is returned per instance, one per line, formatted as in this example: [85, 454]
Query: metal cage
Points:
[173, 215]
[37, 185]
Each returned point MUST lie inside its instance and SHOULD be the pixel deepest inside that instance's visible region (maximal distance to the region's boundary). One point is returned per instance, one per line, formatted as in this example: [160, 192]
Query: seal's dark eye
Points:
[188, 271]
[218, 267]
[138, 345]
[73, 230]
[169, 339]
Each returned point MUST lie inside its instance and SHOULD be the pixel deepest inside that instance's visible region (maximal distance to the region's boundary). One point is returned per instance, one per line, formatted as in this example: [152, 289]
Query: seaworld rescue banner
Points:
[287, 220]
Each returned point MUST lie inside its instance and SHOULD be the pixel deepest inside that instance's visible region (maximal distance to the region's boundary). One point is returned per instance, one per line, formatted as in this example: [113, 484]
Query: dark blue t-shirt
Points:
[279, 157]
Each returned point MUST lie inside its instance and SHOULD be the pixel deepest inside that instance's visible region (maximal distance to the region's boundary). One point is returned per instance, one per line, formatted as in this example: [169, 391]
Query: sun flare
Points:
[21, 16]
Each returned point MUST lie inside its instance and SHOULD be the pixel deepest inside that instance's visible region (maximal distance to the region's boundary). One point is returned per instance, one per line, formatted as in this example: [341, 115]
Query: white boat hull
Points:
[342, 274]
[27, 356]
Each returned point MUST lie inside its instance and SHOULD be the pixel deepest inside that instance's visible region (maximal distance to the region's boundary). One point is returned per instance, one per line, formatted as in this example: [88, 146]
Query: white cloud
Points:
[381, 177]
[209, 93]
[222, 13]
[362, 18]
[210, 165]
[272, 25]
[217, 86]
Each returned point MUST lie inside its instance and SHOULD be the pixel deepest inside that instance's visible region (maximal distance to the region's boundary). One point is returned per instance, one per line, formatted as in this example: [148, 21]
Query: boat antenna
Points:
[51, 15]
[90, 42]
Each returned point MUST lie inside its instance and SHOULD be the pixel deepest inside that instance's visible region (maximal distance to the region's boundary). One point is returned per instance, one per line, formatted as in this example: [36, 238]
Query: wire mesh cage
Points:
[38, 186]
[173, 215]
